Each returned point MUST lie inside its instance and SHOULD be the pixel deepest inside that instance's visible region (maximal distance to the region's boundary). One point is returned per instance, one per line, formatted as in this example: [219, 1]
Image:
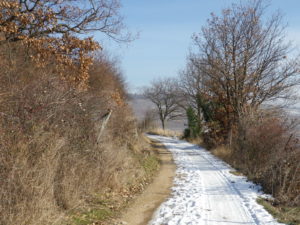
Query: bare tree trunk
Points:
[163, 124]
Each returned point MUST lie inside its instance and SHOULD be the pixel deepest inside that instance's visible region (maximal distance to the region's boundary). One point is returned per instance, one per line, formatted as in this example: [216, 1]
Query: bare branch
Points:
[163, 94]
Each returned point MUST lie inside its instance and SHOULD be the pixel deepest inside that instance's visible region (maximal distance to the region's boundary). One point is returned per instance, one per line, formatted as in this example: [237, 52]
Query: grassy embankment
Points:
[107, 207]
[56, 164]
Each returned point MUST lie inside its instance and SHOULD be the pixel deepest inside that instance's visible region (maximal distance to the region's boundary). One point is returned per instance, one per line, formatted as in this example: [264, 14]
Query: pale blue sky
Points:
[166, 27]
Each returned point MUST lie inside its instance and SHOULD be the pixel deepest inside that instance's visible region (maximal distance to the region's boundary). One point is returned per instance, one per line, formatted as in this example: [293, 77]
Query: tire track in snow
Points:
[234, 189]
[205, 192]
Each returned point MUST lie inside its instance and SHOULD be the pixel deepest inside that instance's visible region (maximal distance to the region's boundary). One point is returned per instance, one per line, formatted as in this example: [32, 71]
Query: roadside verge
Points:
[143, 207]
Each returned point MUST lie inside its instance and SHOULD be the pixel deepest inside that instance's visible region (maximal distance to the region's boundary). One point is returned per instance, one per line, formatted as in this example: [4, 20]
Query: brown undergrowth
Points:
[105, 208]
[52, 161]
[266, 150]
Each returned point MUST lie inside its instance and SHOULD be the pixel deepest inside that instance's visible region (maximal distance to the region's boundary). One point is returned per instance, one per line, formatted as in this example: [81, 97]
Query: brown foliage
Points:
[49, 29]
[50, 160]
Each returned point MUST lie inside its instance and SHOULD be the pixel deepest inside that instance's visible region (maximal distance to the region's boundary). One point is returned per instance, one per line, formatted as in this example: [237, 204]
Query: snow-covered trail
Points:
[205, 192]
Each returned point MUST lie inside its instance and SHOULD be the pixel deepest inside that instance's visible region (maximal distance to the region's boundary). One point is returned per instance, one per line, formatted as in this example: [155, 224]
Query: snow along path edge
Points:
[205, 192]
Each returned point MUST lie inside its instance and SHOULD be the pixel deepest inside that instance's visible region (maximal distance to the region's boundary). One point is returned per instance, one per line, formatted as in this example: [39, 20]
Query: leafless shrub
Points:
[267, 149]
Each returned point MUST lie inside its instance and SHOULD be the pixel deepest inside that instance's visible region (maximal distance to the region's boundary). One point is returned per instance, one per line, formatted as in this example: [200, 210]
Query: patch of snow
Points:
[205, 192]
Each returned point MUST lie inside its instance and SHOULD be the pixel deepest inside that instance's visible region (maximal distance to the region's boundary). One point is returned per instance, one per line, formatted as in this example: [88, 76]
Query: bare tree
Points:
[191, 88]
[244, 58]
[163, 94]
[39, 18]
[55, 32]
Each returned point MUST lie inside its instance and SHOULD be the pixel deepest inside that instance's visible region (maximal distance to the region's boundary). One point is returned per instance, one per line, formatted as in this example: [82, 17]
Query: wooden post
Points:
[105, 120]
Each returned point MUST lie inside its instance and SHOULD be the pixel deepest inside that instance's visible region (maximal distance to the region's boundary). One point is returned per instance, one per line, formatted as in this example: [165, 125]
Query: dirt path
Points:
[141, 211]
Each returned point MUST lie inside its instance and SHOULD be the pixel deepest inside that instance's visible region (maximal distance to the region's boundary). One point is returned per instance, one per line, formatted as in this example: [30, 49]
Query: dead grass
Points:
[196, 141]
[50, 161]
[106, 207]
[265, 148]
[223, 152]
[267, 151]
[167, 133]
[236, 173]
[284, 214]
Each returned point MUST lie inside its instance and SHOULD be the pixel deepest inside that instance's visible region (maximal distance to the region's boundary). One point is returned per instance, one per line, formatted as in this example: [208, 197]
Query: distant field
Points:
[140, 106]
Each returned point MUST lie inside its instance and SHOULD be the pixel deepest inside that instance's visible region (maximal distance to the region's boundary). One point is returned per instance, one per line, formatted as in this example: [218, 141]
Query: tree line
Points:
[240, 69]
